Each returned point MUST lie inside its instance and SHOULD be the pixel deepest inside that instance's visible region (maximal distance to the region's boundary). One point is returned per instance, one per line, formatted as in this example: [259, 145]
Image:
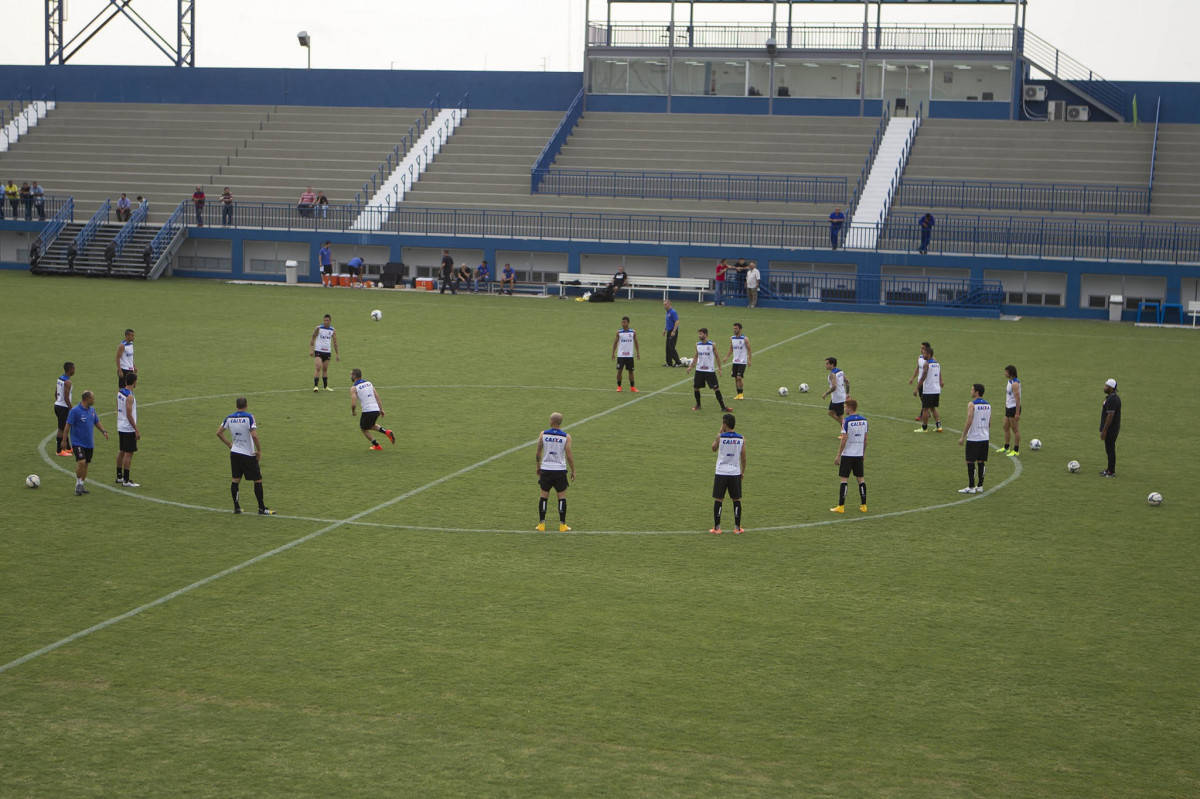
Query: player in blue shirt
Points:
[836, 220]
[80, 421]
[672, 334]
[325, 257]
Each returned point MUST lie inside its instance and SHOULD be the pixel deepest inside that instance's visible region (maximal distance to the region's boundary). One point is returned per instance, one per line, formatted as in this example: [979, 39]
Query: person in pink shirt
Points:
[307, 200]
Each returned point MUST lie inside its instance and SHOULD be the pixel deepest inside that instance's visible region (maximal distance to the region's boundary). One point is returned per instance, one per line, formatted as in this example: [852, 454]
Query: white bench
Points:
[1193, 310]
[638, 282]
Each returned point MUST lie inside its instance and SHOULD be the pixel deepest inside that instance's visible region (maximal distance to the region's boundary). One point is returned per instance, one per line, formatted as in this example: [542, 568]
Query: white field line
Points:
[355, 519]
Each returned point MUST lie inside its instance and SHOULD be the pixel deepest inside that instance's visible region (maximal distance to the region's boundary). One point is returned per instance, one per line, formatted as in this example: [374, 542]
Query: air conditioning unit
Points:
[1035, 93]
[1056, 111]
[1078, 113]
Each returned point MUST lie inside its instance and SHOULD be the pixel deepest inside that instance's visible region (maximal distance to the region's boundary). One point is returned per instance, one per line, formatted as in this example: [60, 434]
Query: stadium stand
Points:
[1177, 174]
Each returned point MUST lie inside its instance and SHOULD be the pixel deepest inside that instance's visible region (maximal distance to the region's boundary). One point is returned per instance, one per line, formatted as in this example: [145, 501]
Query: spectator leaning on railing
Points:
[322, 205]
[12, 193]
[39, 200]
[27, 200]
[198, 202]
[227, 207]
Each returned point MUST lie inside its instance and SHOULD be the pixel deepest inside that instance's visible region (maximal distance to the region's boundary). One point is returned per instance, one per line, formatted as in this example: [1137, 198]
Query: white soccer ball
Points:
[1155, 498]
[1036, 444]
[782, 391]
[686, 361]
[1073, 467]
[377, 314]
[804, 388]
[33, 481]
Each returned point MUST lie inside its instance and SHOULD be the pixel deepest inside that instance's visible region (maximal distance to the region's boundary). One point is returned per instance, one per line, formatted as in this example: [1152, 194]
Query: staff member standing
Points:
[672, 334]
[81, 420]
[1110, 425]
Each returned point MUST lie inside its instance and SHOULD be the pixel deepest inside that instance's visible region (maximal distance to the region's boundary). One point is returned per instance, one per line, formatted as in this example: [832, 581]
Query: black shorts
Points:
[553, 480]
[61, 413]
[1011, 412]
[703, 379]
[327, 268]
[838, 407]
[920, 392]
[367, 420]
[83, 454]
[244, 466]
[324, 356]
[931, 400]
[624, 363]
[977, 451]
[851, 465]
[128, 441]
[727, 482]
[737, 369]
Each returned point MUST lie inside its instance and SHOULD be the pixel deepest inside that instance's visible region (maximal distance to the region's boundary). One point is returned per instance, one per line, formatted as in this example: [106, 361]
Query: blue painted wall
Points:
[532, 91]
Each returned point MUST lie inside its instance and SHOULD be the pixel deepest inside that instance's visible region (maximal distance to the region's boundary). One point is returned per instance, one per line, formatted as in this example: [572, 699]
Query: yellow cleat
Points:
[862, 508]
[562, 528]
[541, 528]
[740, 397]
[838, 509]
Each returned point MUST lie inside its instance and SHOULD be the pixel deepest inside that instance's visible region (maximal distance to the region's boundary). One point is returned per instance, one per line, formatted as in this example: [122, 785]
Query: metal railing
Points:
[380, 176]
[1036, 237]
[557, 139]
[88, 234]
[136, 220]
[834, 37]
[64, 216]
[1172, 242]
[168, 231]
[1020, 196]
[690, 185]
[51, 205]
[880, 130]
[1060, 65]
[1153, 155]
[927, 292]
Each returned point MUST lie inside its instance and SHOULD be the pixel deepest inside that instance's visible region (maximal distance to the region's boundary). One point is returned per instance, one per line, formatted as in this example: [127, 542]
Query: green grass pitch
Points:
[400, 630]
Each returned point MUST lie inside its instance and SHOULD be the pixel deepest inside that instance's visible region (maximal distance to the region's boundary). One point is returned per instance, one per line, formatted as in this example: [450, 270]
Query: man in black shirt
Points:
[448, 274]
[1110, 425]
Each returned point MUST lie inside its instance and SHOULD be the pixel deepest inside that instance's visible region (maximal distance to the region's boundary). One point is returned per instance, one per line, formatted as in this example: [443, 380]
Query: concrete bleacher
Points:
[1031, 152]
[487, 163]
[1177, 174]
[95, 151]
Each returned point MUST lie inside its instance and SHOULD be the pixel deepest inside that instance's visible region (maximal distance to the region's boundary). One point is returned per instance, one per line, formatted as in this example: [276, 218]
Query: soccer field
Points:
[400, 629]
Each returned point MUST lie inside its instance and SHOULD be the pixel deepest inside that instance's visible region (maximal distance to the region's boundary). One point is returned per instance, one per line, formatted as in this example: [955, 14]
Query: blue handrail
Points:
[88, 234]
[382, 172]
[1153, 155]
[995, 195]
[555, 144]
[691, 185]
[64, 216]
[136, 220]
[167, 232]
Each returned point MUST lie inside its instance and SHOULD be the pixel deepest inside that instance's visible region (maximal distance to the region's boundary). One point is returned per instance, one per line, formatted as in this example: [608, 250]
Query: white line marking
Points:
[355, 519]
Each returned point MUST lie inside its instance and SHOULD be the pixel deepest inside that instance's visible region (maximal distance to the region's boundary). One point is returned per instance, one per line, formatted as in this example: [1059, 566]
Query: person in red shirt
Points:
[722, 267]
[198, 202]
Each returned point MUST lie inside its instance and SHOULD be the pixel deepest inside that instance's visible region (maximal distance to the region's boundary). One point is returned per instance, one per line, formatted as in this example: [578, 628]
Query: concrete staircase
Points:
[90, 261]
[1177, 173]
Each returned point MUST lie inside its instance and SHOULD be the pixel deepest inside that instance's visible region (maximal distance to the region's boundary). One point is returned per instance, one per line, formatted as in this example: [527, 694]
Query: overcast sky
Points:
[1119, 39]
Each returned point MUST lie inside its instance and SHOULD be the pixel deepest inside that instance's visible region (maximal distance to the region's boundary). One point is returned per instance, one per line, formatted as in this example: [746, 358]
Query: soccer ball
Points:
[804, 388]
[1155, 498]
[377, 314]
[1073, 467]
[686, 361]
[782, 391]
[33, 481]
[1036, 444]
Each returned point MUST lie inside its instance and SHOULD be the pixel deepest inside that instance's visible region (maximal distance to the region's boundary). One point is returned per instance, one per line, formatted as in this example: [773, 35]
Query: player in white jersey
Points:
[128, 433]
[125, 358]
[925, 345]
[625, 347]
[553, 458]
[731, 468]
[320, 346]
[245, 453]
[930, 390]
[362, 392]
[839, 387]
[976, 433]
[739, 351]
[62, 407]
[1012, 413]
[707, 364]
[849, 459]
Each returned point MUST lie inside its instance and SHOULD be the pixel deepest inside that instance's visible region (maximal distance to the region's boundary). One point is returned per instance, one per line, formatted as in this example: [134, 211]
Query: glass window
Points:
[986, 82]
[819, 79]
[609, 76]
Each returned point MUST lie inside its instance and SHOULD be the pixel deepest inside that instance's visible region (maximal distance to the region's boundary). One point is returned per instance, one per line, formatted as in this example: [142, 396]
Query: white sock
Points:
[78, 481]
